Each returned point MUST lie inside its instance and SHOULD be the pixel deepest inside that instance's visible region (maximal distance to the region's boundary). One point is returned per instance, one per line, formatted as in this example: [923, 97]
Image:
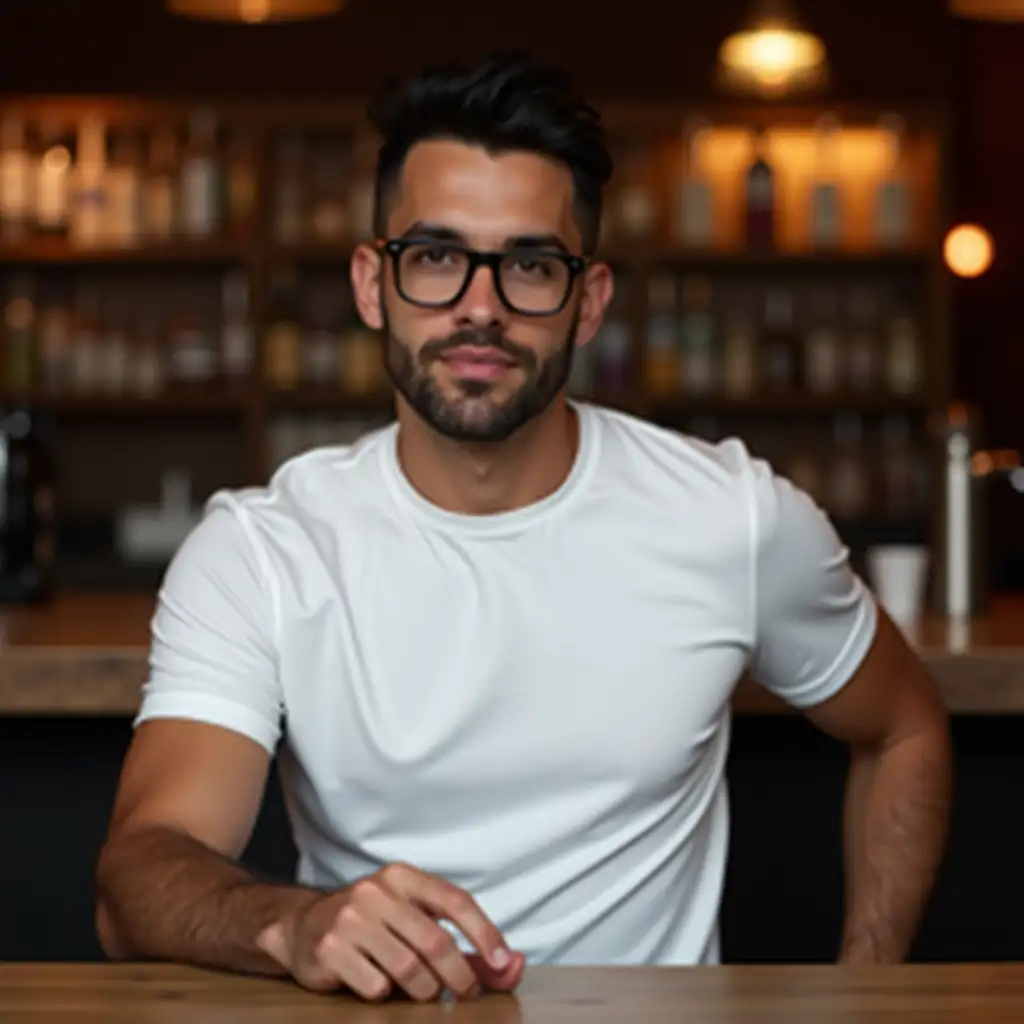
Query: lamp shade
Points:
[254, 12]
[772, 53]
[988, 10]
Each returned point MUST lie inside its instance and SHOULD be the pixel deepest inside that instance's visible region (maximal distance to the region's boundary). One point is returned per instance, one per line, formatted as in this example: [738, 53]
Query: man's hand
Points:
[383, 931]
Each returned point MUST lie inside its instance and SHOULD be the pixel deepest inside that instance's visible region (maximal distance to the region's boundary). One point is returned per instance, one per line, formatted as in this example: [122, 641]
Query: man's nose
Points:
[481, 303]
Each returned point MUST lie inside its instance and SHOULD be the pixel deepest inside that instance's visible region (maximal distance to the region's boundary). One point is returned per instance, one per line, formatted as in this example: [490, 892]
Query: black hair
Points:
[504, 102]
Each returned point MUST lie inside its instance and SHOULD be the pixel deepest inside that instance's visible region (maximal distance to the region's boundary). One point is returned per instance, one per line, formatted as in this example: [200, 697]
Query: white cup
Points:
[899, 574]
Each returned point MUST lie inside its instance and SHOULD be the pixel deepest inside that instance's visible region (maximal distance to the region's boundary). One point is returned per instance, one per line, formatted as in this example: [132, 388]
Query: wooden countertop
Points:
[164, 994]
[86, 654]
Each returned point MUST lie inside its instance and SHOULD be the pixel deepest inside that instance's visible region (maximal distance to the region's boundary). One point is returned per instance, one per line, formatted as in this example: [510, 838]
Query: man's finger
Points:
[440, 897]
[506, 980]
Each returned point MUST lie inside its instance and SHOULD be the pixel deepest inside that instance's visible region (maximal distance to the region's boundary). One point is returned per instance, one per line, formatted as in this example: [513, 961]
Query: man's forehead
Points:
[472, 189]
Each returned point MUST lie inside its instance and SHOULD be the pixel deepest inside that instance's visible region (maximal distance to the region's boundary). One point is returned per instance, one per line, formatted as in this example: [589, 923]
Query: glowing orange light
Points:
[968, 250]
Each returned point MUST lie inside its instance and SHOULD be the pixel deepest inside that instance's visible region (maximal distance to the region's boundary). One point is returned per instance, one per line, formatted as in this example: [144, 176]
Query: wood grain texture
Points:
[87, 654]
[164, 994]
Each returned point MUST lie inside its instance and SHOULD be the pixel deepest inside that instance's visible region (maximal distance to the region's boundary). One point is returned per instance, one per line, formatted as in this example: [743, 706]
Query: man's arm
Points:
[821, 643]
[899, 795]
[168, 885]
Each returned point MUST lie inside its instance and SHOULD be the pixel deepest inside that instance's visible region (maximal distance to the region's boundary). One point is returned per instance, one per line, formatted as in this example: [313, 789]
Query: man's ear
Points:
[366, 268]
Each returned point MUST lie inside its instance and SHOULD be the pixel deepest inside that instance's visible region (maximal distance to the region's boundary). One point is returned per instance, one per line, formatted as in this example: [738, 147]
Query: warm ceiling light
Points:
[255, 12]
[968, 250]
[772, 54]
[988, 10]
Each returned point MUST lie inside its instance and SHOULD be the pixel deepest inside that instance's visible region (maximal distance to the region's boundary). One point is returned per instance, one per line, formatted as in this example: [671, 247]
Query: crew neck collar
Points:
[495, 523]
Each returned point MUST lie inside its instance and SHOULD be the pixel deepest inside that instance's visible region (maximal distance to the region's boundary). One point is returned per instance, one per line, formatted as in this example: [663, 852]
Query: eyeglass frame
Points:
[478, 258]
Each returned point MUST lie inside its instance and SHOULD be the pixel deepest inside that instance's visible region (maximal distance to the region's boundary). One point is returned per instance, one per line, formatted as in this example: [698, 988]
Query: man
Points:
[497, 641]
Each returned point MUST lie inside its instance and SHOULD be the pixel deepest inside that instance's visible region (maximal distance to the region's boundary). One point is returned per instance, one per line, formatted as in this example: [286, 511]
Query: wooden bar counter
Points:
[86, 654]
[917, 994]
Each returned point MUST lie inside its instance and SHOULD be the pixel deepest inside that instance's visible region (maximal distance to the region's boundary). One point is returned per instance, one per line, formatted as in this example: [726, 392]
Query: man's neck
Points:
[485, 479]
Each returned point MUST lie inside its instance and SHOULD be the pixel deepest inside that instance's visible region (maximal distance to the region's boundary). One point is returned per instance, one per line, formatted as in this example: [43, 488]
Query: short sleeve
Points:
[813, 618]
[212, 656]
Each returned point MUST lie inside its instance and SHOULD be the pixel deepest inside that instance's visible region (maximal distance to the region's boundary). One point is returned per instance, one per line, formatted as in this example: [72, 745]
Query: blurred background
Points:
[817, 222]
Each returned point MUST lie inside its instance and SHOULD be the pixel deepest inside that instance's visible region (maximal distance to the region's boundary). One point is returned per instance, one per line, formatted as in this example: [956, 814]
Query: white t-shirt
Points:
[533, 704]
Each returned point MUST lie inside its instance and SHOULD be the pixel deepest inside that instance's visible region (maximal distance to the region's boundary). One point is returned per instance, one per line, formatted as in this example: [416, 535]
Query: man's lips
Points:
[477, 363]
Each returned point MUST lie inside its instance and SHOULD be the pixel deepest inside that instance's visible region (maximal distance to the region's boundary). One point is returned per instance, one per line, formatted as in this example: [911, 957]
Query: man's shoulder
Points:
[671, 455]
[325, 480]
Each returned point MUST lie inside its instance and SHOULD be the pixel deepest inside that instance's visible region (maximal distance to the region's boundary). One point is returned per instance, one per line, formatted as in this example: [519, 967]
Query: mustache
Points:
[479, 337]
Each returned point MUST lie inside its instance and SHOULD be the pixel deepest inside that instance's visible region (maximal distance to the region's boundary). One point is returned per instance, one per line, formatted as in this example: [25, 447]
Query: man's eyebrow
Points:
[440, 233]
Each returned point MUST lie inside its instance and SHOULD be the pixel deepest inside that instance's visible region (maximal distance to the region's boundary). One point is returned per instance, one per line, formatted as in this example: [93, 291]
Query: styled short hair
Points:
[505, 102]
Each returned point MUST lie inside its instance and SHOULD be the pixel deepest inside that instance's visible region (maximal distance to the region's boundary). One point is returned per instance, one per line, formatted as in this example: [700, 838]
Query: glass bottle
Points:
[201, 189]
[696, 209]
[823, 345]
[892, 204]
[849, 484]
[160, 200]
[760, 196]
[661, 364]
[283, 341]
[826, 213]
[862, 353]
[699, 365]
[778, 342]
[16, 174]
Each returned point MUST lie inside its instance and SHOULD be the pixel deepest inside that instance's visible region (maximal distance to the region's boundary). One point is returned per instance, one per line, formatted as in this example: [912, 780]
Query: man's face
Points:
[476, 370]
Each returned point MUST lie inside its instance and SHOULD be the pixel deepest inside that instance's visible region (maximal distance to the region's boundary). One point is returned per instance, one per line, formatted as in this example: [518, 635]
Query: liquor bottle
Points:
[635, 208]
[282, 353]
[662, 363]
[892, 205]
[899, 469]
[329, 208]
[122, 214]
[193, 356]
[849, 485]
[54, 346]
[161, 206]
[16, 173]
[19, 335]
[760, 197]
[86, 344]
[823, 349]
[361, 188]
[27, 535]
[321, 355]
[236, 338]
[90, 182]
[289, 193]
[696, 208]
[698, 369]
[201, 189]
[241, 186]
[862, 353]
[778, 342]
[826, 215]
[53, 181]
[739, 355]
[903, 364]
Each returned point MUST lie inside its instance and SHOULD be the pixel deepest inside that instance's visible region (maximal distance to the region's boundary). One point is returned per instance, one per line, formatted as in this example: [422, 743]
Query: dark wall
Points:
[645, 48]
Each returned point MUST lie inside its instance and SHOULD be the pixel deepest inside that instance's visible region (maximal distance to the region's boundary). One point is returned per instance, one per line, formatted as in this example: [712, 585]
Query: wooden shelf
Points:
[42, 251]
[329, 399]
[685, 406]
[177, 402]
[754, 259]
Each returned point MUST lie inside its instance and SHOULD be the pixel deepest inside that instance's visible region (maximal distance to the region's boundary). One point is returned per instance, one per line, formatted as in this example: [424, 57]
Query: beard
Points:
[473, 414]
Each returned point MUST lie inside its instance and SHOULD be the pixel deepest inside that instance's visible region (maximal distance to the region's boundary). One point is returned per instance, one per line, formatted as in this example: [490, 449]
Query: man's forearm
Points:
[897, 822]
[165, 896]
